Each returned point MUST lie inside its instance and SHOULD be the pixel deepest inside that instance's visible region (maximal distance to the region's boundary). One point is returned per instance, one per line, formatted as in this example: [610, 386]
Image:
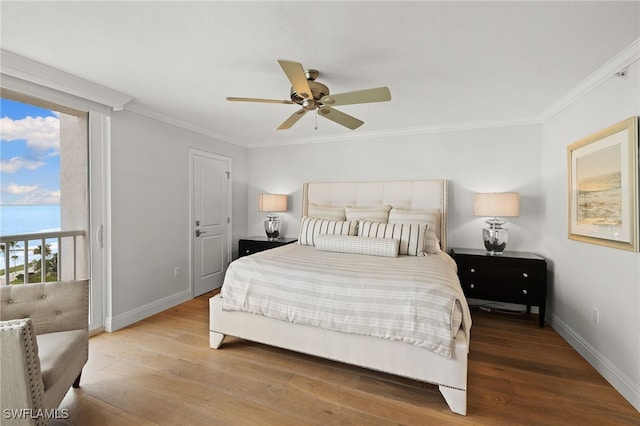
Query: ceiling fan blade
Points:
[340, 117]
[379, 94]
[269, 101]
[297, 77]
[293, 119]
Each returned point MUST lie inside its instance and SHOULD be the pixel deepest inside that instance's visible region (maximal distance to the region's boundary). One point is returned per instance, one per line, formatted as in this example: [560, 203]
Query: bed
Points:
[428, 342]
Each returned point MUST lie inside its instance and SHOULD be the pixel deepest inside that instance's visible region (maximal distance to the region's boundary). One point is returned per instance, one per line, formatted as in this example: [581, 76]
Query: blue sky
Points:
[29, 154]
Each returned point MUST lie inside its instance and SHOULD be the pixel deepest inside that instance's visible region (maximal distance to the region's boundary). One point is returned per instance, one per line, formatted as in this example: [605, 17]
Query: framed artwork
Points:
[603, 187]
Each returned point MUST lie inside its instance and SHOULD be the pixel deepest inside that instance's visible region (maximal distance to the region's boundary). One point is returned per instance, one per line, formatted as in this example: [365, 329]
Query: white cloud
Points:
[15, 189]
[32, 194]
[18, 163]
[41, 133]
[41, 196]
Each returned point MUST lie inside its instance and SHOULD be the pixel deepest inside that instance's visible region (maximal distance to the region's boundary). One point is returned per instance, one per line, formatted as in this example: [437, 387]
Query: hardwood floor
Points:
[161, 371]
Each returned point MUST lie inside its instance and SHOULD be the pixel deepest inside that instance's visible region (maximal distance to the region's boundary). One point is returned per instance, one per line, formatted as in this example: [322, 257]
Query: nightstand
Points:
[514, 277]
[251, 245]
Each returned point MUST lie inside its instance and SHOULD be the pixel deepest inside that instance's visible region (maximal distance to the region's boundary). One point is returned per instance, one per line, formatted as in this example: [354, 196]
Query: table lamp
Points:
[272, 203]
[496, 205]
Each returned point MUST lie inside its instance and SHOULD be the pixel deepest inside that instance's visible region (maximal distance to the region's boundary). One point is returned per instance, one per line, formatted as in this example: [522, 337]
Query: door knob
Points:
[198, 232]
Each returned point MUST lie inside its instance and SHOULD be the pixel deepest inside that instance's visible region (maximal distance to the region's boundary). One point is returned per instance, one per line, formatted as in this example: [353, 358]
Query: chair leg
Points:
[76, 384]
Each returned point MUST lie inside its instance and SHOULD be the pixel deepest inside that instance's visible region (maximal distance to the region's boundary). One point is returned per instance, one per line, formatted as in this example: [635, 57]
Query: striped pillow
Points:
[429, 217]
[326, 212]
[312, 226]
[410, 235]
[387, 247]
[375, 214]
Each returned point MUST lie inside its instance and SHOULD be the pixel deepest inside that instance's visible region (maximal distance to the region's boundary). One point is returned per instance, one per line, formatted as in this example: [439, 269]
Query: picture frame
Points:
[603, 187]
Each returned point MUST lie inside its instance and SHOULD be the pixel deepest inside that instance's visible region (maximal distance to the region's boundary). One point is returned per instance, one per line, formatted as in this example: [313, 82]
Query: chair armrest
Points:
[57, 306]
[21, 385]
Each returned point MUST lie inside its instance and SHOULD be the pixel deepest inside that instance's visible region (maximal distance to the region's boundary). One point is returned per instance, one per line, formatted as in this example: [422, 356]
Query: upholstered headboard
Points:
[411, 194]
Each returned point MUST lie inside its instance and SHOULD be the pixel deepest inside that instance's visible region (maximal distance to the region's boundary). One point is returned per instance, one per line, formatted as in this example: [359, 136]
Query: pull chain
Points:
[316, 120]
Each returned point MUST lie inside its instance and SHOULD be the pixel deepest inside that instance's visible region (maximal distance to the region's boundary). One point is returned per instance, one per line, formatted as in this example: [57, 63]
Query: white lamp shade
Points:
[497, 204]
[272, 203]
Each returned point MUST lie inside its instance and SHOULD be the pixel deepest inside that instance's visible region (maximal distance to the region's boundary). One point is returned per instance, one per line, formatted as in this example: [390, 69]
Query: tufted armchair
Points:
[44, 343]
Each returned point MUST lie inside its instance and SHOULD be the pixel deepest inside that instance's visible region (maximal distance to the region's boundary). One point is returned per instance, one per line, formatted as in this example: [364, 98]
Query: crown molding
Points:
[34, 72]
[348, 137]
[147, 112]
[618, 63]
[410, 131]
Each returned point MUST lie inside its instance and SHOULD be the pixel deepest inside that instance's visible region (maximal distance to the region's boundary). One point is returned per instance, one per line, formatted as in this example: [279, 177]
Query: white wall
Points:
[484, 160]
[149, 213]
[585, 275]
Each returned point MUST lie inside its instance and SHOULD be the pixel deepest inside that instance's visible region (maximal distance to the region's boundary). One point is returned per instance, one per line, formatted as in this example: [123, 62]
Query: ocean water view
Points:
[27, 219]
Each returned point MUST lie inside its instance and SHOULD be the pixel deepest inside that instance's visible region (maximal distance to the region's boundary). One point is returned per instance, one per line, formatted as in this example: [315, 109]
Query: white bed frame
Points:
[370, 352]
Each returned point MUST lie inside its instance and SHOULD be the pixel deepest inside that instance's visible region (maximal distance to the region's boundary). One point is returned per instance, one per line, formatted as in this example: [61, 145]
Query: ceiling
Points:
[447, 64]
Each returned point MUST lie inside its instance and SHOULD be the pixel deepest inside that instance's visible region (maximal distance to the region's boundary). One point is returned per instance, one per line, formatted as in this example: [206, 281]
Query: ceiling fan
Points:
[312, 95]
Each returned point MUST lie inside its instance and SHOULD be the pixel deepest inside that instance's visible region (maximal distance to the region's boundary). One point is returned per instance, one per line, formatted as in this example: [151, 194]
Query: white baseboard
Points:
[620, 381]
[127, 318]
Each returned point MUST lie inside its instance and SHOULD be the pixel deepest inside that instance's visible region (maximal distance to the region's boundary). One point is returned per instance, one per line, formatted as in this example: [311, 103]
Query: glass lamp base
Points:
[495, 240]
[272, 228]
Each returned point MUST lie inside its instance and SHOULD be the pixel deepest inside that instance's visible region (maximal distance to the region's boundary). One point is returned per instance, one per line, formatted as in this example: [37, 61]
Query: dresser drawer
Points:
[481, 272]
[249, 246]
[504, 291]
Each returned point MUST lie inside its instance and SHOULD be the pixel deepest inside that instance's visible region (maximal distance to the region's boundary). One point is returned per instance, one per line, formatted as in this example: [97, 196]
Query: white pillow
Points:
[312, 226]
[429, 217]
[410, 235]
[375, 214]
[386, 247]
[326, 212]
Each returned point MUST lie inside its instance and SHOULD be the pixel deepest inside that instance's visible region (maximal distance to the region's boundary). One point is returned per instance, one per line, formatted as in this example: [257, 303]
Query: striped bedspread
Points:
[414, 299]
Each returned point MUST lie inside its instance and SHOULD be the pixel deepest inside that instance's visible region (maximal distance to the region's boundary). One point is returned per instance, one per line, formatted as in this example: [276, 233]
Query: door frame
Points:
[100, 221]
[192, 153]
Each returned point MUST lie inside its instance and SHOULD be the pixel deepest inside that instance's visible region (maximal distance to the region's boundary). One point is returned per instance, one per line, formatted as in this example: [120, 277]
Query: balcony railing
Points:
[50, 263]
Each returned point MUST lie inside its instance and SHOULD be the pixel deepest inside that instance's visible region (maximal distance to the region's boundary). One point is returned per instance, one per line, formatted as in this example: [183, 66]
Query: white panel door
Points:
[210, 221]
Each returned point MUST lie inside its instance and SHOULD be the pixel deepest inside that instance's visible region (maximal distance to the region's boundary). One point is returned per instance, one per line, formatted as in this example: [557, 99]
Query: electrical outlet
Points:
[177, 272]
[596, 316]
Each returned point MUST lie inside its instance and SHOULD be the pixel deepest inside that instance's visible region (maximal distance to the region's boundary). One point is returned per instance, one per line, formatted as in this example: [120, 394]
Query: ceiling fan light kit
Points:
[312, 95]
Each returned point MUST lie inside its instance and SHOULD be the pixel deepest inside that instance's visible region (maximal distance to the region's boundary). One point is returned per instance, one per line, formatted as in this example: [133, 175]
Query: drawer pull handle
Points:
[472, 285]
[524, 291]
[524, 274]
[247, 251]
[472, 270]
